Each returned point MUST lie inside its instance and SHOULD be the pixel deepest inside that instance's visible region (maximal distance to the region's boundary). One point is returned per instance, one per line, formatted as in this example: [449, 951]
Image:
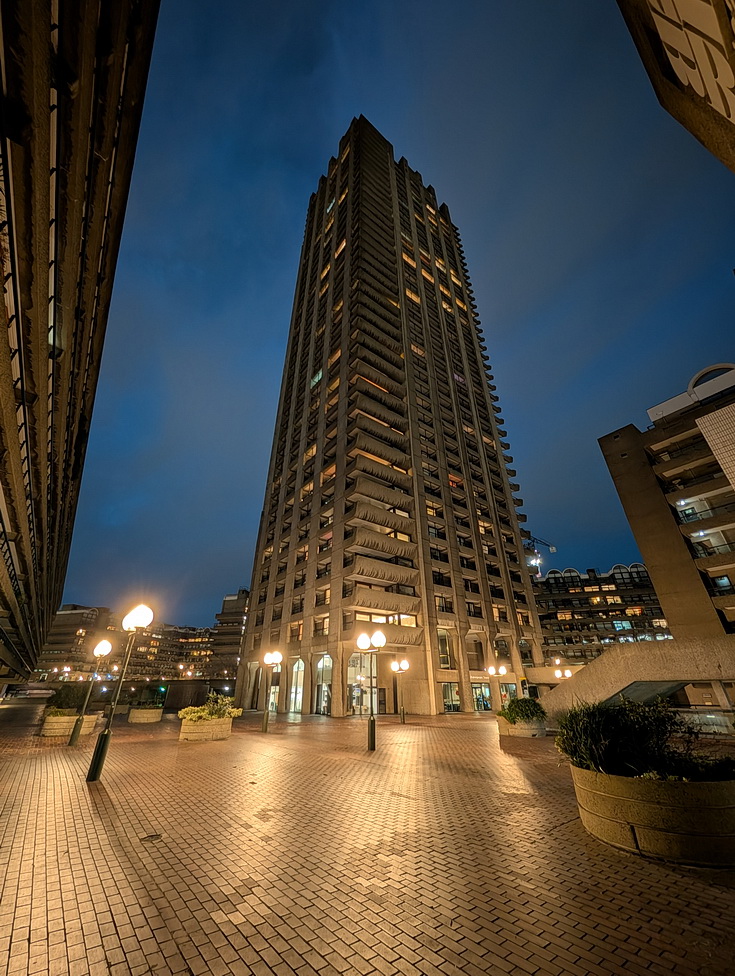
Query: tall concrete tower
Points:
[390, 504]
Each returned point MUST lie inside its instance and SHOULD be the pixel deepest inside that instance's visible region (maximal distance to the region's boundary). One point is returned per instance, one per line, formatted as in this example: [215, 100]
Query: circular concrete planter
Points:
[63, 724]
[144, 716]
[205, 731]
[687, 823]
[528, 730]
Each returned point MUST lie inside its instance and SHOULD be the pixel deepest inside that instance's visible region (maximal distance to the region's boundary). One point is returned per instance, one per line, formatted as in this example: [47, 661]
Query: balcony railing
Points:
[707, 513]
[702, 551]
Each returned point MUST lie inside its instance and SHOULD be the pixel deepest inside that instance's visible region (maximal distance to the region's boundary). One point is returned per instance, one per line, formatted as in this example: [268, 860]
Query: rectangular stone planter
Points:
[687, 823]
[63, 724]
[144, 716]
[206, 731]
[528, 730]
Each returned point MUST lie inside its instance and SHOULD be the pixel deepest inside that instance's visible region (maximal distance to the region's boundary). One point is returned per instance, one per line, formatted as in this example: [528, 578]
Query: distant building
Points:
[688, 49]
[167, 651]
[391, 501]
[582, 614]
[73, 79]
[676, 481]
[74, 634]
[227, 635]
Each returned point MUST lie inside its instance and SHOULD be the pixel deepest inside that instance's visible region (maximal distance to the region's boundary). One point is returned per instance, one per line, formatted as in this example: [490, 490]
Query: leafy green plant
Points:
[216, 706]
[629, 738]
[68, 695]
[523, 710]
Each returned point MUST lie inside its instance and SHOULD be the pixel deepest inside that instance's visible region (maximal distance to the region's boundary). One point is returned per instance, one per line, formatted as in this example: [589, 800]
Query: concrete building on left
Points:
[73, 79]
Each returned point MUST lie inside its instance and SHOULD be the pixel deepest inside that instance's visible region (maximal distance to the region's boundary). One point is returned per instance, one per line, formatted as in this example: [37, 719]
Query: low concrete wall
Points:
[54, 725]
[143, 716]
[216, 728]
[527, 730]
[687, 823]
[624, 664]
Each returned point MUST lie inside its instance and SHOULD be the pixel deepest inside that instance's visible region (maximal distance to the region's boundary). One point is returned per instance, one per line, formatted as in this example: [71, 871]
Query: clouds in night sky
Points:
[597, 233]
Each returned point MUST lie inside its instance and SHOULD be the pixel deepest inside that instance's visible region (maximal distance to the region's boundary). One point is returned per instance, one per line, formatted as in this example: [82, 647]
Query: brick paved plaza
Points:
[299, 852]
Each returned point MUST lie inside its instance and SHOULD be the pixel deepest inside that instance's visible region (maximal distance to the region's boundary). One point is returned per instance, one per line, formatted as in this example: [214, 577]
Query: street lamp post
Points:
[400, 667]
[140, 616]
[371, 644]
[270, 659]
[101, 650]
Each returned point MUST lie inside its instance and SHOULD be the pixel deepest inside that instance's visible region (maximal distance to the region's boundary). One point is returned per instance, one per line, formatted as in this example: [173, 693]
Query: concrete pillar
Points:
[720, 693]
[466, 701]
[339, 675]
[307, 698]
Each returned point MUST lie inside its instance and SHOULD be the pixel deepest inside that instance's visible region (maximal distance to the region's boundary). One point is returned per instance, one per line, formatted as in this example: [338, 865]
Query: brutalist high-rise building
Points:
[389, 504]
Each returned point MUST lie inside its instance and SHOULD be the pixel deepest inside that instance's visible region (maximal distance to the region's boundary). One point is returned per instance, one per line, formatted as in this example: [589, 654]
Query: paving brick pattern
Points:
[298, 852]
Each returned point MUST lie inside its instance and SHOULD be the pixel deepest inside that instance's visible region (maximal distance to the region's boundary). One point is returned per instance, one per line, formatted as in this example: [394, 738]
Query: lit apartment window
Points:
[321, 626]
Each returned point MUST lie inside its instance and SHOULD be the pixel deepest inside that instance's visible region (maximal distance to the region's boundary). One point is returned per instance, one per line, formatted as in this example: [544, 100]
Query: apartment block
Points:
[676, 482]
[73, 79]
[583, 614]
[391, 502]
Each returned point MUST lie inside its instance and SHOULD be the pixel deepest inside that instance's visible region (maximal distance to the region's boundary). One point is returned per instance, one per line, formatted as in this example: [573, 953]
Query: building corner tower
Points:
[389, 503]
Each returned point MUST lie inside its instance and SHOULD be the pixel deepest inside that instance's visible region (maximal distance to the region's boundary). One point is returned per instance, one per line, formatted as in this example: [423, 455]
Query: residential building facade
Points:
[227, 635]
[582, 614]
[73, 79]
[75, 632]
[676, 482]
[390, 502]
[688, 49]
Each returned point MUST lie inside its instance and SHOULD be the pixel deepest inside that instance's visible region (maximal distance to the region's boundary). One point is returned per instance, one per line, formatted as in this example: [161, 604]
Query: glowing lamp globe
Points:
[102, 649]
[140, 616]
[378, 639]
[363, 642]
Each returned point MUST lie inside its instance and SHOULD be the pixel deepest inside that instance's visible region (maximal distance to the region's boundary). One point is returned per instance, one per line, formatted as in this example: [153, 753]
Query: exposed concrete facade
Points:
[688, 49]
[645, 672]
[676, 482]
[390, 503]
[73, 78]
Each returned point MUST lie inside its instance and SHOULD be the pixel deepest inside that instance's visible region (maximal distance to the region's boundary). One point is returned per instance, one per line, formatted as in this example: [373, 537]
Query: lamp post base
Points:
[76, 731]
[371, 733]
[403, 715]
[99, 756]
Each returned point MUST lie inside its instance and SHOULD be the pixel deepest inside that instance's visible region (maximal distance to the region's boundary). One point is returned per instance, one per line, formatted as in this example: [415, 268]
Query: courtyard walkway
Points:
[443, 853]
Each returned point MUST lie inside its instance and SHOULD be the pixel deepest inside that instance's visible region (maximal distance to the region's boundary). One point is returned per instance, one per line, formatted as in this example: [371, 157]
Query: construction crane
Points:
[534, 557]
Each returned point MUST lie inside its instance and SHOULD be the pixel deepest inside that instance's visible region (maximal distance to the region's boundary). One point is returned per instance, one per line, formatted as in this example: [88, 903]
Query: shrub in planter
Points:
[524, 717]
[641, 785]
[68, 695]
[212, 720]
[145, 712]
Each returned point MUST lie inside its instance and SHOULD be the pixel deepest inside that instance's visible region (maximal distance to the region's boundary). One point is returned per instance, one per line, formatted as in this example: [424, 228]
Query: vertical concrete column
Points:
[466, 702]
[284, 690]
[339, 674]
[720, 693]
[307, 697]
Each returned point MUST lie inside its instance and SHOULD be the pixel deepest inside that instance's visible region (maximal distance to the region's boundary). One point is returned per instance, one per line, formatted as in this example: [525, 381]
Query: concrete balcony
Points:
[369, 569]
[364, 598]
[383, 471]
[367, 540]
[365, 512]
[366, 489]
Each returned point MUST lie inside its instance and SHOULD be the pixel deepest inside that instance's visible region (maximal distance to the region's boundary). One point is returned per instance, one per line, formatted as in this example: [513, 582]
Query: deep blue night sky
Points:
[598, 235]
